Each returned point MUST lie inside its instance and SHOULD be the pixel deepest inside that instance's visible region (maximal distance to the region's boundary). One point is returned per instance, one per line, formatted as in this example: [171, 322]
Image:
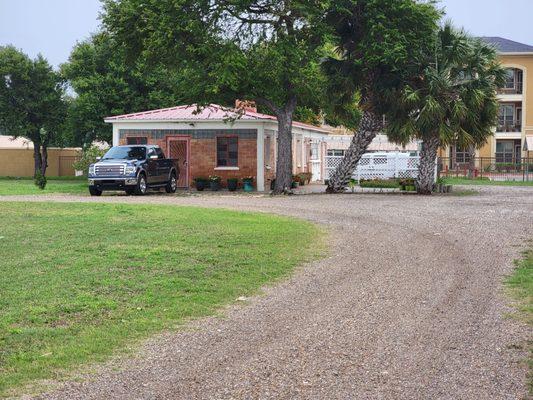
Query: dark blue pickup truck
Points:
[133, 169]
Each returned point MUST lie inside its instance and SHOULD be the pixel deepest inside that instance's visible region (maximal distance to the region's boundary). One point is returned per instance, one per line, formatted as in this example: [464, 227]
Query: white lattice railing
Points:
[379, 165]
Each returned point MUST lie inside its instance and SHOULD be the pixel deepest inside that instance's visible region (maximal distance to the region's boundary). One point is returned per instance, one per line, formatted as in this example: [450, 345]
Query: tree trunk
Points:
[37, 158]
[426, 169]
[44, 159]
[284, 149]
[369, 126]
[472, 161]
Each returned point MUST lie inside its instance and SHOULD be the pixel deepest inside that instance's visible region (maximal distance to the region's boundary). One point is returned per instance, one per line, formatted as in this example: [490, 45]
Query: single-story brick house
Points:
[223, 142]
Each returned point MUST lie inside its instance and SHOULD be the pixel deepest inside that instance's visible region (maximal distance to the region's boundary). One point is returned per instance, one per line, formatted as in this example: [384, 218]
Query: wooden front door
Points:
[179, 151]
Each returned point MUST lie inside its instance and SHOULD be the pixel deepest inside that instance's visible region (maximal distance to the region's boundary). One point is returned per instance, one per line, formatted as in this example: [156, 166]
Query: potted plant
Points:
[200, 183]
[439, 185]
[214, 182]
[408, 184]
[232, 184]
[248, 183]
[295, 182]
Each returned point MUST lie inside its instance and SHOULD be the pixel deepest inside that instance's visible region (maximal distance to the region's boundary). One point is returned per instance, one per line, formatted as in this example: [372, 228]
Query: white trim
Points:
[227, 168]
[260, 158]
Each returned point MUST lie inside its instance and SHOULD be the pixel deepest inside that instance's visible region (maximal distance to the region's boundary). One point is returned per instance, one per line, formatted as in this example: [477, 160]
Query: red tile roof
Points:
[211, 112]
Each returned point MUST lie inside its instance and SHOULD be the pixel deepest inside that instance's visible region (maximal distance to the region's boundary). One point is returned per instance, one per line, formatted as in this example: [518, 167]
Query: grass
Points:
[79, 282]
[520, 284]
[17, 186]
[478, 181]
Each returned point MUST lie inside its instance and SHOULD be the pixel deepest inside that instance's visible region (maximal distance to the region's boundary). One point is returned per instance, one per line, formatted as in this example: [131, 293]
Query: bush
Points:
[40, 180]
[380, 183]
[88, 157]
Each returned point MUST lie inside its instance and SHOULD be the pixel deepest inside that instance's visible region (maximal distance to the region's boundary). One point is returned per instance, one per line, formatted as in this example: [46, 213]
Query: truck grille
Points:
[109, 170]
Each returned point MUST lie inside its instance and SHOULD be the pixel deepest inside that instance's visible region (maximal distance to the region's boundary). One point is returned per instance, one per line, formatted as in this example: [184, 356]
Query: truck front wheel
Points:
[94, 191]
[141, 187]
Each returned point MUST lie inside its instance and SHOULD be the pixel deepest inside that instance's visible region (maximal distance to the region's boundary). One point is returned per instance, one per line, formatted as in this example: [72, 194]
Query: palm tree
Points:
[375, 41]
[451, 101]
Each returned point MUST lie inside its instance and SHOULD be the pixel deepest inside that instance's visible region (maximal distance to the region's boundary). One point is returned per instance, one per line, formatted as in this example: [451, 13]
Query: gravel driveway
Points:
[409, 305]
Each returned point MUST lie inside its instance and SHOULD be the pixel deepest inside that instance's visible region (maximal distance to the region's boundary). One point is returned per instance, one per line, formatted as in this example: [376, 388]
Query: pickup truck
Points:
[133, 169]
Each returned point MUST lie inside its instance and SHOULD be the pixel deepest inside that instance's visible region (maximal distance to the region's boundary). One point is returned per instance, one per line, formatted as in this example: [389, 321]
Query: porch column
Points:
[261, 158]
[116, 136]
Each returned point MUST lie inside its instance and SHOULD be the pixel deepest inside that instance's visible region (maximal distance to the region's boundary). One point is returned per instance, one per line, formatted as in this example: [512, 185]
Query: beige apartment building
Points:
[513, 136]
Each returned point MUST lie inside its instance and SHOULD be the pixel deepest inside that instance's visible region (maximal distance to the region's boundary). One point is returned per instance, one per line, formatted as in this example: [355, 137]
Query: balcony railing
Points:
[509, 126]
[517, 89]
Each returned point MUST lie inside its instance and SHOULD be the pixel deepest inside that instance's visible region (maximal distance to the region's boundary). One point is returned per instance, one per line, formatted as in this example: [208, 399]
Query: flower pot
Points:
[295, 185]
[214, 185]
[232, 185]
[248, 186]
[200, 185]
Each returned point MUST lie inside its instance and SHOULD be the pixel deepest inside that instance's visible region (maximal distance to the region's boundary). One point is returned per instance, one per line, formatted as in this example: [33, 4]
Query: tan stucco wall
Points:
[19, 162]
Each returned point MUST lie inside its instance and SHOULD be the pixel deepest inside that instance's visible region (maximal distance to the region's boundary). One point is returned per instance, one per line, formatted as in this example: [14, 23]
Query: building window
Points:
[227, 151]
[461, 155]
[509, 79]
[137, 140]
[335, 153]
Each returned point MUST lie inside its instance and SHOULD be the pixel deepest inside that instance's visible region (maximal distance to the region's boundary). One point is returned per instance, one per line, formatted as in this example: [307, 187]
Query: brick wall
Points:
[202, 162]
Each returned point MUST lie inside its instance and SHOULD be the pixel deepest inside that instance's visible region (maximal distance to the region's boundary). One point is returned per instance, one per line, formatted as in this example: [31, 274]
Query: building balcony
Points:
[516, 89]
[509, 126]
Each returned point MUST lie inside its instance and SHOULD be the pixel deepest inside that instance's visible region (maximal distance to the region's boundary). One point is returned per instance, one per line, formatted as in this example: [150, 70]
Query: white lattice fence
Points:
[379, 165]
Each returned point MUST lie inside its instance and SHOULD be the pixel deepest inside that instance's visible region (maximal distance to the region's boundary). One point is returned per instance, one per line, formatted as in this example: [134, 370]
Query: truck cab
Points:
[134, 169]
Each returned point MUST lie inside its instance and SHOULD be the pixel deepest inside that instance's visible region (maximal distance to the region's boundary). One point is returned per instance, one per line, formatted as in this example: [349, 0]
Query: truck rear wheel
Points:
[142, 186]
[94, 191]
[172, 184]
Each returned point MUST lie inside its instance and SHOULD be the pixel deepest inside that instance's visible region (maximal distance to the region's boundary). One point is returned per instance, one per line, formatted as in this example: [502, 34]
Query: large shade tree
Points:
[263, 51]
[450, 101]
[376, 41]
[105, 84]
[31, 102]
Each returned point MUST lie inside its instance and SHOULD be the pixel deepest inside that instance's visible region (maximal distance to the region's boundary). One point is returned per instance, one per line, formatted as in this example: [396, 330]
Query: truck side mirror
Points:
[98, 158]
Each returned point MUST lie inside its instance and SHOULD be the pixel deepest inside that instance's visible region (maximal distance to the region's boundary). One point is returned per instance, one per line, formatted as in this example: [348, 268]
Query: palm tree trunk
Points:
[471, 162]
[369, 126]
[426, 169]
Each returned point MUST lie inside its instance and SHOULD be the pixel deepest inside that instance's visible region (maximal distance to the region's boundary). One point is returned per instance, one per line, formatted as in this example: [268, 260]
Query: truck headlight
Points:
[130, 170]
[91, 169]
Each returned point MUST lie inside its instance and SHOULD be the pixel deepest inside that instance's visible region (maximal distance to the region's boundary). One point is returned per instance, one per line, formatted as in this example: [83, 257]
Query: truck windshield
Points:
[125, 153]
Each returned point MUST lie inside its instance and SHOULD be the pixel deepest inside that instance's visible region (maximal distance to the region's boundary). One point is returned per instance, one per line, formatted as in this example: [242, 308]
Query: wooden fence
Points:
[19, 162]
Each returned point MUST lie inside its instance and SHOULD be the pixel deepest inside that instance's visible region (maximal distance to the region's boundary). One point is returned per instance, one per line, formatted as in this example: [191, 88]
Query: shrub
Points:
[215, 178]
[88, 157]
[40, 180]
[379, 183]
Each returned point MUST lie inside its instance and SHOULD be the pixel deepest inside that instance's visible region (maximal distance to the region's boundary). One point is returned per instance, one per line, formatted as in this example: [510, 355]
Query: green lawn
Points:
[79, 281]
[11, 186]
[464, 181]
[520, 285]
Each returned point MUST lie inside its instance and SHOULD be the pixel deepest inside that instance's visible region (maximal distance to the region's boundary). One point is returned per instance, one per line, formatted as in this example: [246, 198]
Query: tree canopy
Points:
[105, 84]
[264, 51]
[31, 101]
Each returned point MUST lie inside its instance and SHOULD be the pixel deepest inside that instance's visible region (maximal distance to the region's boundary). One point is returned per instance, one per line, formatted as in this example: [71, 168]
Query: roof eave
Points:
[516, 53]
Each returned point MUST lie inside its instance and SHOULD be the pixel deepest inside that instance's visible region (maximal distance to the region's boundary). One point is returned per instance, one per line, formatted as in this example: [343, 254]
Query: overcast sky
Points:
[52, 27]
